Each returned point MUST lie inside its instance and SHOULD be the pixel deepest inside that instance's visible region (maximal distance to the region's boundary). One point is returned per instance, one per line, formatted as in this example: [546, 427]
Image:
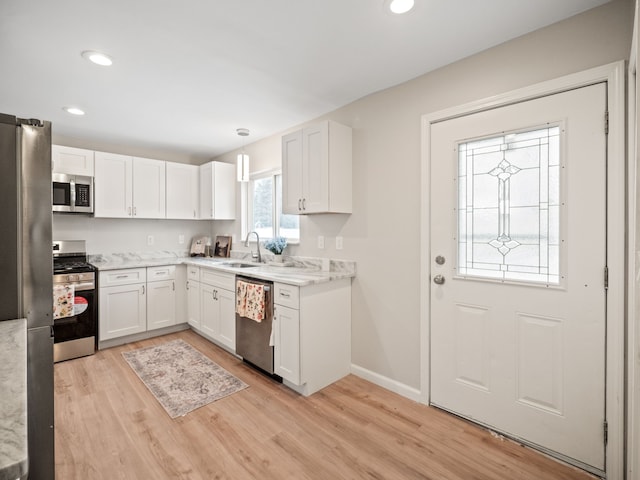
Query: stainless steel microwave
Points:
[72, 193]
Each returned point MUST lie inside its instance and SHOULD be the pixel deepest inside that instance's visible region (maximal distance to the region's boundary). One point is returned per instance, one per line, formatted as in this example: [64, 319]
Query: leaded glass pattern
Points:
[509, 207]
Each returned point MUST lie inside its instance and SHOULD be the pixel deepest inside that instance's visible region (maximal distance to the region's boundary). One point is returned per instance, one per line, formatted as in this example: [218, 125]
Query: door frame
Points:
[633, 332]
[614, 75]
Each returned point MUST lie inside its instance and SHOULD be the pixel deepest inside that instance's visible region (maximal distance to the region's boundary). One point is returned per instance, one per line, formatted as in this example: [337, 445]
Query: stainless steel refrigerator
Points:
[26, 270]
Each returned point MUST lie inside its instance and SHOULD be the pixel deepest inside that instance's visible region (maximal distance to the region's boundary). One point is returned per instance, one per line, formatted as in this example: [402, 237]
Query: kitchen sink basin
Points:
[239, 265]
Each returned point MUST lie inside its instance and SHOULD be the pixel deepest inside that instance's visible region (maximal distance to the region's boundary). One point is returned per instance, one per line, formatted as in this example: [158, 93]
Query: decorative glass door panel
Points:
[509, 207]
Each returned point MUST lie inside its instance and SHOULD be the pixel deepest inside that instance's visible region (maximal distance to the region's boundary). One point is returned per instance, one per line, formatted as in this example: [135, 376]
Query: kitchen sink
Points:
[239, 265]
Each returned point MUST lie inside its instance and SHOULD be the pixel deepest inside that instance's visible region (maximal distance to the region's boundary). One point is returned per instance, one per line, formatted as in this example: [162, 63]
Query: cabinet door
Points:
[218, 191]
[315, 168]
[113, 185]
[123, 311]
[161, 304]
[227, 333]
[182, 308]
[193, 304]
[286, 351]
[72, 161]
[206, 191]
[224, 191]
[149, 188]
[292, 173]
[182, 191]
[209, 310]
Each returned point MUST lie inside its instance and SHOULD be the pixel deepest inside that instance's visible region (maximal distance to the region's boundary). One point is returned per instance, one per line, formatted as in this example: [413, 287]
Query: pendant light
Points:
[243, 158]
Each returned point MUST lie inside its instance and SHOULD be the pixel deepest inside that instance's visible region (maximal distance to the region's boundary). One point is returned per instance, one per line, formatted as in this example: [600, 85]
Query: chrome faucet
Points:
[255, 256]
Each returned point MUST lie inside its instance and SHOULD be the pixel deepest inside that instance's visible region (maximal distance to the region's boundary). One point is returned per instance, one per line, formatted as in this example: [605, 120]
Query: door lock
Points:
[440, 260]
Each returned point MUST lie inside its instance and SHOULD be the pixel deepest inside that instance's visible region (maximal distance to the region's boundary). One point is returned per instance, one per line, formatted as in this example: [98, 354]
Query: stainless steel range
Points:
[75, 303]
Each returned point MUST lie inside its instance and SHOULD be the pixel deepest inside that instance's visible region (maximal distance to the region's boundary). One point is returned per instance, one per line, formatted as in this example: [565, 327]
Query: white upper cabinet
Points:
[113, 190]
[217, 191]
[316, 169]
[182, 191]
[72, 161]
[127, 187]
[149, 188]
[292, 172]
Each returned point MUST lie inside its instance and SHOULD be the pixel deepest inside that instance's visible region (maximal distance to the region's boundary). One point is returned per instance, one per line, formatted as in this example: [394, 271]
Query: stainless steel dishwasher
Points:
[252, 338]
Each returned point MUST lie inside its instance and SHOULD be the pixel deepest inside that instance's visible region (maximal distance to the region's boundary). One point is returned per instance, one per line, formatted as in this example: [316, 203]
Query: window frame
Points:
[247, 204]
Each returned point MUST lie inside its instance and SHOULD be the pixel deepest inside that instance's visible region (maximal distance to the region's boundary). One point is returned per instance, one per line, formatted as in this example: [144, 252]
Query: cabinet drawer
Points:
[193, 273]
[167, 272]
[286, 295]
[218, 279]
[123, 277]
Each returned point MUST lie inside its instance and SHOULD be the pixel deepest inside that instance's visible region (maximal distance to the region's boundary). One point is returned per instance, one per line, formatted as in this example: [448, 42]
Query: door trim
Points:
[633, 331]
[614, 75]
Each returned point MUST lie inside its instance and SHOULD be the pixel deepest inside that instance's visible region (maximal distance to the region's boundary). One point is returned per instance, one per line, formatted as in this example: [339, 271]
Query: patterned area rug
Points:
[180, 377]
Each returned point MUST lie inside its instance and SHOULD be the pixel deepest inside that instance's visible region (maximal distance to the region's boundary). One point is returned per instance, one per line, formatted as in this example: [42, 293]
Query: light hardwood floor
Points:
[109, 426]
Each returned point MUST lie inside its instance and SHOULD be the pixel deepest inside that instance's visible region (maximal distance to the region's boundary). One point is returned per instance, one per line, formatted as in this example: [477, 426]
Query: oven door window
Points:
[62, 194]
[82, 324]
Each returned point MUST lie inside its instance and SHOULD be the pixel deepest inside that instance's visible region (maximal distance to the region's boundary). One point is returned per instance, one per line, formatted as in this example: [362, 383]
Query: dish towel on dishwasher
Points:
[250, 300]
[63, 301]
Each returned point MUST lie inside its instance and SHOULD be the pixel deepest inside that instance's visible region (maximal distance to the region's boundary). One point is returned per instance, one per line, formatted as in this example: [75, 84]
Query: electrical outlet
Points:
[320, 242]
[181, 239]
[150, 239]
[338, 243]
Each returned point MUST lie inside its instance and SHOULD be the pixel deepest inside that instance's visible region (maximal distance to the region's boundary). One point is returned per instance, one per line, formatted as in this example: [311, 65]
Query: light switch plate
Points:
[320, 241]
[338, 243]
[150, 239]
[180, 239]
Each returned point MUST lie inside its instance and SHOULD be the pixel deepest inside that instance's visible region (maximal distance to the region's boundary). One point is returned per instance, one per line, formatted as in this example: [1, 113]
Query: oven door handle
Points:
[66, 320]
[79, 287]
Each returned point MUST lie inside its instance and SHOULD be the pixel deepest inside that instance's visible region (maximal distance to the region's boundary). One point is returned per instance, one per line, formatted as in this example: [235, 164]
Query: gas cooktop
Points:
[70, 256]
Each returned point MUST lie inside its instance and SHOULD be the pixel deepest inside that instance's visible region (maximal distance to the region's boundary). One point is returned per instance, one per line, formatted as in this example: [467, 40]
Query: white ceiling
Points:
[187, 73]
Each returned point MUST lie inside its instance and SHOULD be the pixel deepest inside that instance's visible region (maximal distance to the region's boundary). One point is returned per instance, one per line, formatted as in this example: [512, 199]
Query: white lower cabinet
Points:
[312, 334]
[193, 296]
[209, 311]
[161, 297]
[123, 303]
[227, 332]
[137, 300]
[286, 355]
[211, 305]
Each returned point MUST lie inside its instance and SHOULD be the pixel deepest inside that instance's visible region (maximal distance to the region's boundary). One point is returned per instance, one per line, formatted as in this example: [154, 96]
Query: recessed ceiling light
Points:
[74, 111]
[97, 58]
[400, 6]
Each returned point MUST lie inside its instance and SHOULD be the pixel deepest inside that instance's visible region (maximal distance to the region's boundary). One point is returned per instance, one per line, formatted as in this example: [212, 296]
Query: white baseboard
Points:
[386, 382]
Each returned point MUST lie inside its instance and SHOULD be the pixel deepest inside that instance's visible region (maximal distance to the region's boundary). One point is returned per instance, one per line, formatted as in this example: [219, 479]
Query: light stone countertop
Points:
[13, 400]
[299, 271]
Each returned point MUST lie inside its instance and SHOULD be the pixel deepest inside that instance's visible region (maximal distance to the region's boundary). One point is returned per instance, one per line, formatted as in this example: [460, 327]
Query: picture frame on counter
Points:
[222, 246]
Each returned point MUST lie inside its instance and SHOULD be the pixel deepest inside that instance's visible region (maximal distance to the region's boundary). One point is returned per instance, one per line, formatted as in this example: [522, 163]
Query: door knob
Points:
[438, 279]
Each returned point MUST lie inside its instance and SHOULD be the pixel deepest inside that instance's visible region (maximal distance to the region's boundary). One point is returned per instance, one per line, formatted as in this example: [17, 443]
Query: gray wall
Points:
[383, 233]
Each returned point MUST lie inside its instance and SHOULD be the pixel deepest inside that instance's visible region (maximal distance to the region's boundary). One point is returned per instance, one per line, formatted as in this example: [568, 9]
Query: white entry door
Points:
[518, 256]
